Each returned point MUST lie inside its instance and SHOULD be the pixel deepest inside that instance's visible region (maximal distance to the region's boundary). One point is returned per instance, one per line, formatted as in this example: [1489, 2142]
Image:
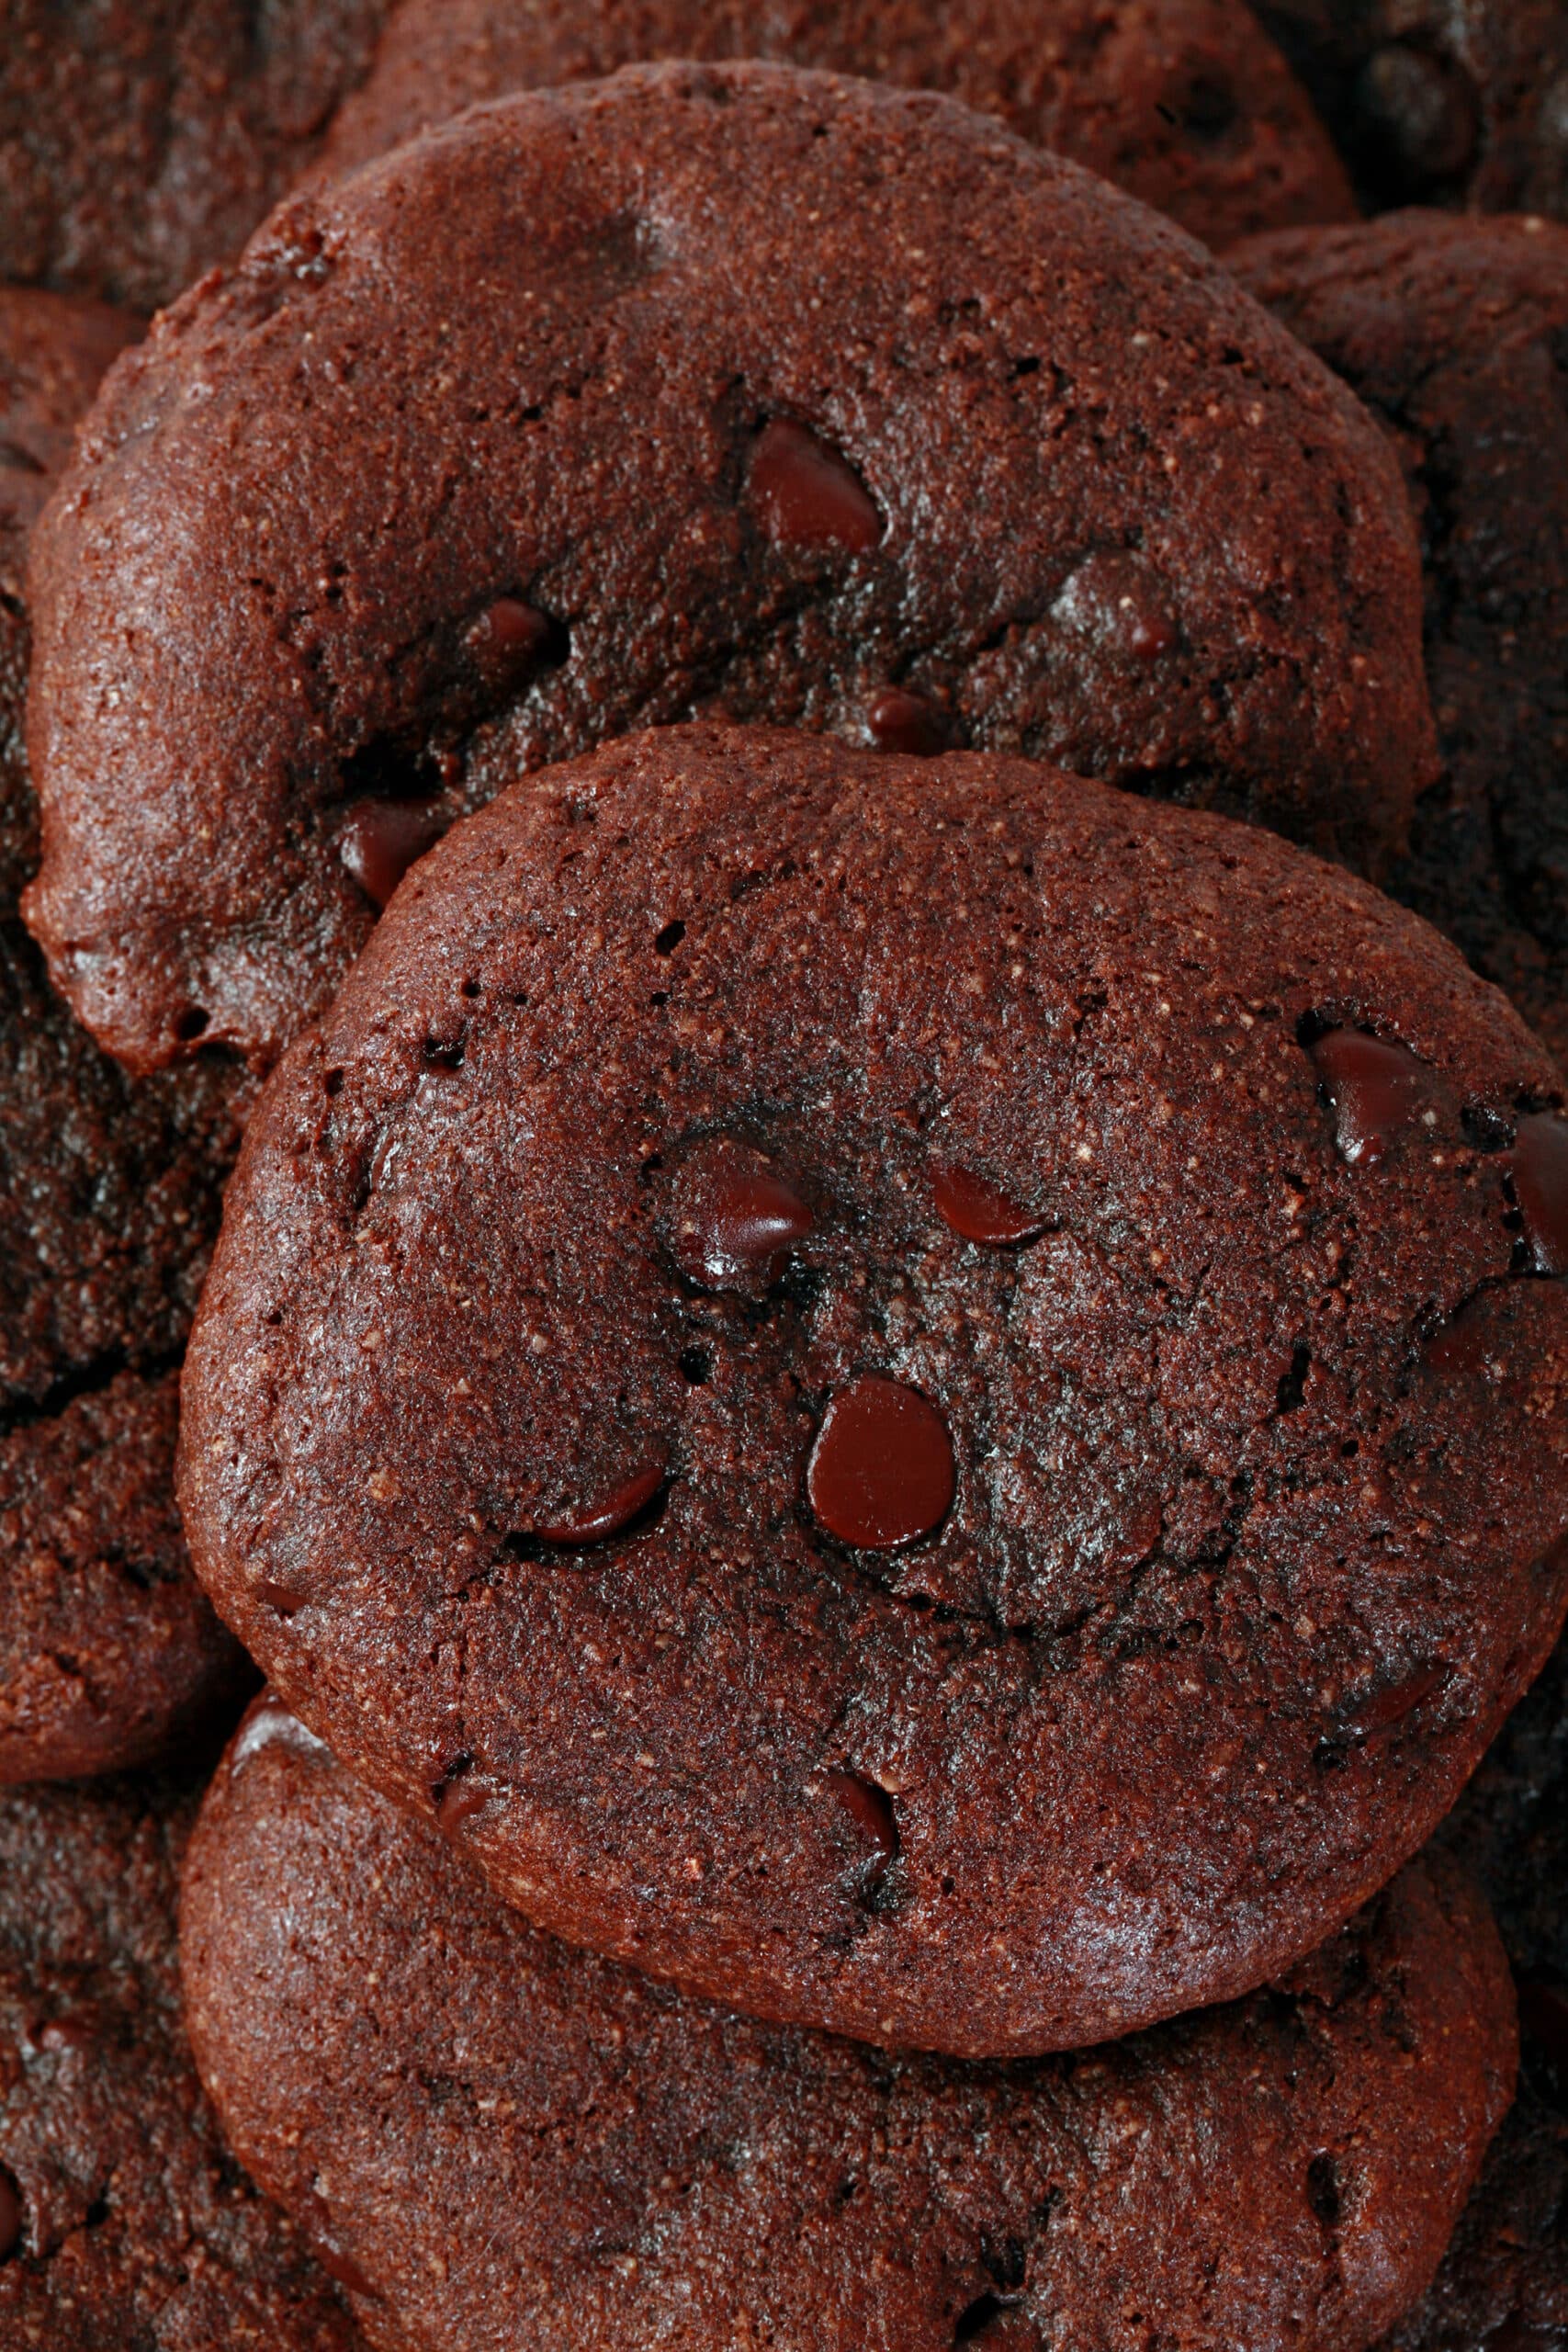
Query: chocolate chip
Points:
[733, 1220]
[606, 1514]
[509, 639]
[1427, 109]
[898, 721]
[981, 1211]
[870, 1809]
[11, 2215]
[806, 495]
[1375, 1086]
[881, 1472]
[381, 838]
[1460, 1345]
[1543, 2014]
[1379, 1711]
[1541, 1186]
[280, 1597]
[77, 2030]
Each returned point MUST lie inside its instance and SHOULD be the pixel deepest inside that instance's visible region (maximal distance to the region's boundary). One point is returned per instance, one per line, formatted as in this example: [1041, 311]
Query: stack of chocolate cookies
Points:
[784, 1477]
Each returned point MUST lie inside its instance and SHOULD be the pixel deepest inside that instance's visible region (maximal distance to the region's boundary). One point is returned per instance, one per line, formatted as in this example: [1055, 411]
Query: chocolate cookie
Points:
[1455, 333]
[510, 2142]
[1176, 100]
[1460, 102]
[1003, 488]
[109, 1199]
[1503, 2287]
[913, 1392]
[141, 141]
[123, 2221]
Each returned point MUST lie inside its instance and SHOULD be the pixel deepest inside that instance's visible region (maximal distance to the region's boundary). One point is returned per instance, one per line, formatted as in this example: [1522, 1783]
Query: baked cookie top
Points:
[141, 143]
[1460, 102]
[1453, 333]
[109, 1201]
[915, 1393]
[123, 2219]
[1186, 104]
[512, 2142]
[341, 553]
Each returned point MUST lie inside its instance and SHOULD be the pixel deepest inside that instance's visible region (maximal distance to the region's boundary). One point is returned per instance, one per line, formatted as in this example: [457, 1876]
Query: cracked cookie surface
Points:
[123, 2220]
[1182, 102]
[1455, 334]
[634, 2168]
[341, 553]
[917, 1394]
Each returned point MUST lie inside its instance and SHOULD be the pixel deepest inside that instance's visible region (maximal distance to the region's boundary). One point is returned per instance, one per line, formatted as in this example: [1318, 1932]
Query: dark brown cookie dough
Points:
[140, 141]
[343, 553]
[859, 1374]
[109, 1200]
[1502, 2286]
[1176, 100]
[124, 2222]
[514, 2143]
[1461, 102]
[1455, 333]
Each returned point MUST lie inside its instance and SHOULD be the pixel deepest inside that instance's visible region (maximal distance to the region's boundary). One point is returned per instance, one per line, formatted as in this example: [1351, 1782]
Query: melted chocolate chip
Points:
[806, 495]
[77, 2030]
[1543, 2014]
[510, 638]
[280, 1597]
[898, 721]
[981, 1211]
[733, 1220]
[605, 1514]
[11, 2216]
[1376, 1088]
[881, 1472]
[1541, 1187]
[381, 838]
[870, 1809]
[1379, 1710]
[1460, 1345]
[460, 1796]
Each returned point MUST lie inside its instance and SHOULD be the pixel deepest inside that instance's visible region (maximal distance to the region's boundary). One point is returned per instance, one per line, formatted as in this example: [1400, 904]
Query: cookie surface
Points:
[1460, 102]
[1182, 102]
[123, 2220]
[141, 141]
[631, 2169]
[1453, 333]
[804, 1362]
[109, 1201]
[1005, 491]
[1502, 2286]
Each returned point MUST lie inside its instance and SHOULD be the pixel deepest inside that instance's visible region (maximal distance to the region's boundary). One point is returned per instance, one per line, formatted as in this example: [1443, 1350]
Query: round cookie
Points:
[1176, 100]
[913, 1392]
[1502, 2286]
[140, 142]
[123, 2221]
[514, 2143]
[1460, 102]
[1003, 490]
[109, 1199]
[1453, 333]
